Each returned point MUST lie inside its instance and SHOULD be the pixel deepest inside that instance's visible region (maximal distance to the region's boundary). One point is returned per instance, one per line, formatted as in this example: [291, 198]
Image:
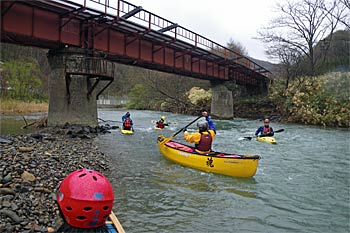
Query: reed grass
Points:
[10, 106]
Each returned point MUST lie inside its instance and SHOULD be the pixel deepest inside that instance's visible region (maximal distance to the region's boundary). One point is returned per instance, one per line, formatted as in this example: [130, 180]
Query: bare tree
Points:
[344, 18]
[302, 25]
[237, 47]
[289, 61]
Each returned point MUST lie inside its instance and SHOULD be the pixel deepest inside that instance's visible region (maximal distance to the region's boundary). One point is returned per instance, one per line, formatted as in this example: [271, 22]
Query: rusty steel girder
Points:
[127, 34]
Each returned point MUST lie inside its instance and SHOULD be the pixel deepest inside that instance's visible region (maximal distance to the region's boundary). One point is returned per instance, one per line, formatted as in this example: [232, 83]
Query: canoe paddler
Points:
[266, 130]
[204, 138]
[85, 199]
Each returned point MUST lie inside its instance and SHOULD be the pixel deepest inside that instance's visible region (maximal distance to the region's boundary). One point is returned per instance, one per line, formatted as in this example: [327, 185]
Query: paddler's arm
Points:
[211, 124]
[271, 133]
[195, 137]
[258, 131]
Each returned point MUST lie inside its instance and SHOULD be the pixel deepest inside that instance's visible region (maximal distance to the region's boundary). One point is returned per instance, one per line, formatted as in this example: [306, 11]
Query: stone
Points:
[6, 204]
[7, 191]
[48, 154]
[26, 176]
[25, 149]
[11, 214]
[32, 199]
[7, 178]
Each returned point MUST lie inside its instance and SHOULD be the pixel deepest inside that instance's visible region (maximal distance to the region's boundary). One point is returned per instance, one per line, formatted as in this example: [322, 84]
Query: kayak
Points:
[215, 162]
[113, 225]
[271, 140]
[156, 128]
[126, 131]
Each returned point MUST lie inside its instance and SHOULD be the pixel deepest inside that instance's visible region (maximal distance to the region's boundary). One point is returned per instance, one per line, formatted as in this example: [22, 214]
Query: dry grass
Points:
[17, 106]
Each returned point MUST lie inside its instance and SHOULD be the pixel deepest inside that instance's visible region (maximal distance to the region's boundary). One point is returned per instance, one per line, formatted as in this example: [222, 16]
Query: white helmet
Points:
[202, 125]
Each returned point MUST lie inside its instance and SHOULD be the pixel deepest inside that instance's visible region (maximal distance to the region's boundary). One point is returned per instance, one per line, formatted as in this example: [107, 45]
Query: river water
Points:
[302, 183]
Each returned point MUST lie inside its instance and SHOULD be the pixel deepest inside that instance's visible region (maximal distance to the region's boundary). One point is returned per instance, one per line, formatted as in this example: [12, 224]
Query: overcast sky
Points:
[218, 20]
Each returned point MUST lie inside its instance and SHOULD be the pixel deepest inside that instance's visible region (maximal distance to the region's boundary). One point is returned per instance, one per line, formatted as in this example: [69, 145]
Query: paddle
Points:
[109, 120]
[172, 136]
[169, 123]
[277, 131]
[116, 222]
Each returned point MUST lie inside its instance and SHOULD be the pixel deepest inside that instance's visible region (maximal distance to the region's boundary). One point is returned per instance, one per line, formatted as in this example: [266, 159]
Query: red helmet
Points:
[85, 198]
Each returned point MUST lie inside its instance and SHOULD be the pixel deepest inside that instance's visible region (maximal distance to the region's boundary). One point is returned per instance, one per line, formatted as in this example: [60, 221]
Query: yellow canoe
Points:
[125, 131]
[271, 140]
[215, 162]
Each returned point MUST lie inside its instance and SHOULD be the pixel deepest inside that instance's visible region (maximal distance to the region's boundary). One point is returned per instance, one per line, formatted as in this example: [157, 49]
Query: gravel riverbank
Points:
[31, 168]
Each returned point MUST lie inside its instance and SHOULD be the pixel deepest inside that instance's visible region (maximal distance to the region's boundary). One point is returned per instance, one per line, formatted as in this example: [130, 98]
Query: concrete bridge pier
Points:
[74, 86]
[222, 101]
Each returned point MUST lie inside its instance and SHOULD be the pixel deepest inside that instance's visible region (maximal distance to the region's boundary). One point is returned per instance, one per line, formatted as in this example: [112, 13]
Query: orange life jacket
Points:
[127, 123]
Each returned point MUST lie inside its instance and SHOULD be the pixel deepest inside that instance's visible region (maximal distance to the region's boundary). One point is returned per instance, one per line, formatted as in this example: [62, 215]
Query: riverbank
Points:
[31, 168]
[9, 106]
[256, 109]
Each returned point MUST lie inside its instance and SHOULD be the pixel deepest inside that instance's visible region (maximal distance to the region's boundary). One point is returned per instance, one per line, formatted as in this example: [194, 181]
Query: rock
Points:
[6, 204]
[84, 136]
[43, 190]
[7, 179]
[26, 176]
[31, 178]
[21, 189]
[50, 229]
[14, 207]
[11, 214]
[5, 141]
[7, 191]
[37, 136]
[50, 139]
[25, 149]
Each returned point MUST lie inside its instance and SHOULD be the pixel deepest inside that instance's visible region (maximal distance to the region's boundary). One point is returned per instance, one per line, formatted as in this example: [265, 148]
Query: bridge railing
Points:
[120, 8]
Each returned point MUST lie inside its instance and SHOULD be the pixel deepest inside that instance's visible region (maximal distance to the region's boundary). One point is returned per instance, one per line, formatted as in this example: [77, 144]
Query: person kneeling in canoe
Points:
[266, 130]
[85, 199]
[204, 138]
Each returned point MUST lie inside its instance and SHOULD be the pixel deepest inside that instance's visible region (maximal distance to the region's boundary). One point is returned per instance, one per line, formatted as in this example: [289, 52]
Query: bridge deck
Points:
[125, 33]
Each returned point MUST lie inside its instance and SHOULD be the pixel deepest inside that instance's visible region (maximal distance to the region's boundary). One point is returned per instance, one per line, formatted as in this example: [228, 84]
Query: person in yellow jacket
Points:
[204, 138]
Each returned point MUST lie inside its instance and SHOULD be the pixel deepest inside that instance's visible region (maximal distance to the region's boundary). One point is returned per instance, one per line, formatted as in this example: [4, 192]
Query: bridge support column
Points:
[73, 86]
[222, 101]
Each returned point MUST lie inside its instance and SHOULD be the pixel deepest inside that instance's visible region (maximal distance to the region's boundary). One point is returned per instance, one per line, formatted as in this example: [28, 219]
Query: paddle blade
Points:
[278, 131]
[164, 140]
[249, 138]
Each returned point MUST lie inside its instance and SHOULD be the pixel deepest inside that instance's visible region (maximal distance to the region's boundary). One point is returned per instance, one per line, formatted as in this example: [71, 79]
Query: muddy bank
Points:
[31, 168]
[256, 110]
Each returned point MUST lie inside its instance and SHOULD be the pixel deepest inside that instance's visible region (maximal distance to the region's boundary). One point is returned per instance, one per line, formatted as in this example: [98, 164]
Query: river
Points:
[302, 183]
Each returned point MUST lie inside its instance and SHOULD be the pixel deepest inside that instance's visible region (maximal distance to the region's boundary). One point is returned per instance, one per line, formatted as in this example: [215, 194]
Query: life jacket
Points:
[160, 124]
[205, 142]
[127, 123]
[267, 130]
